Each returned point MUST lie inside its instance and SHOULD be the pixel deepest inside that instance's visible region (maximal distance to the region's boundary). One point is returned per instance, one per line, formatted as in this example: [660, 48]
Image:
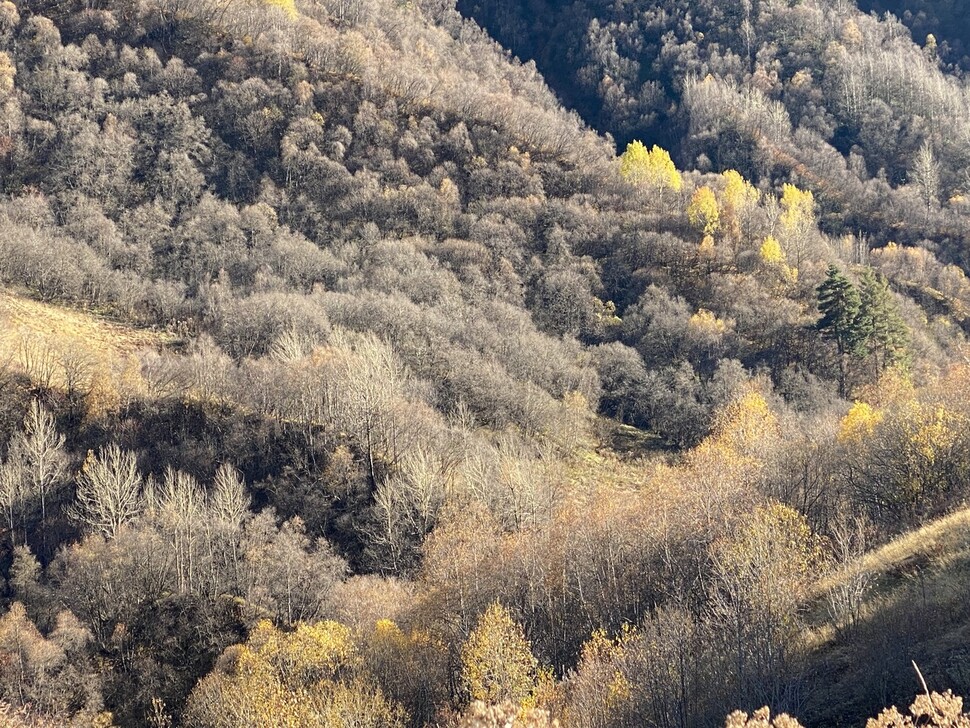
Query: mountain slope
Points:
[914, 609]
[817, 93]
[381, 311]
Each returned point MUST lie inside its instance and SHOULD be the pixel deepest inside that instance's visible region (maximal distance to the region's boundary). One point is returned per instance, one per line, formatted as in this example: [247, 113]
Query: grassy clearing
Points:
[935, 545]
[917, 608]
[630, 442]
[64, 348]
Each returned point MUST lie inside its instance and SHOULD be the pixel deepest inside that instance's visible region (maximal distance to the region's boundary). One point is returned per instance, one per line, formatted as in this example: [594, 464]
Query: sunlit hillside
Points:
[351, 375]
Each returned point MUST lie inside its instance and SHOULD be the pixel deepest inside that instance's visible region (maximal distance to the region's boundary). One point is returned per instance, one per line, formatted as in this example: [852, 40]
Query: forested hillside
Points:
[818, 92]
[946, 21]
[349, 379]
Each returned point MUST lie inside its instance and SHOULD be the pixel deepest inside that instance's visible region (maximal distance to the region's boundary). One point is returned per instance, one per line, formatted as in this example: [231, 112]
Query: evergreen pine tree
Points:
[884, 331]
[840, 305]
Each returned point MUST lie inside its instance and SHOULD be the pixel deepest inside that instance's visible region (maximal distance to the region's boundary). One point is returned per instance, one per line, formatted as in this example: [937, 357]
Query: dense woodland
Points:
[347, 378]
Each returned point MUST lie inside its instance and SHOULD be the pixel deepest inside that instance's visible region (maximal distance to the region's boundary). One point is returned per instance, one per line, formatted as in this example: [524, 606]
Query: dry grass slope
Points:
[917, 608]
[65, 348]
[935, 545]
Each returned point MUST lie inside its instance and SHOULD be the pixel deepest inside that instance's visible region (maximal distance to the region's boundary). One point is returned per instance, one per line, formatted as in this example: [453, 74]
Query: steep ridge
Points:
[815, 92]
[911, 606]
[377, 315]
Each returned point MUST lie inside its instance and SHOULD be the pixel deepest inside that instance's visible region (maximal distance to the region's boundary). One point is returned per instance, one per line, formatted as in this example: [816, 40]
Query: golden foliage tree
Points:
[739, 194]
[763, 573]
[703, 211]
[307, 677]
[738, 203]
[919, 456]
[410, 666]
[747, 426]
[907, 448]
[651, 169]
[775, 262]
[859, 423]
[287, 6]
[798, 207]
[600, 690]
[798, 222]
[771, 252]
[659, 673]
[497, 663]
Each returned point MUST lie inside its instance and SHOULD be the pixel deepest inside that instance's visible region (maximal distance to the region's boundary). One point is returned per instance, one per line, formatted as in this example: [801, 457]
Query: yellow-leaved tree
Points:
[859, 423]
[651, 169]
[497, 664]
[771, 252]
[287, 6]
[738, 202]
[310, 676]
[798, 206]
[739, 194]
[706, 331]
[797, 220]
[703, 211]
[410, 666]
[745, 438]
[775, 262]
[763, 574]
[919, 457]
[599, 690]
[747, 426]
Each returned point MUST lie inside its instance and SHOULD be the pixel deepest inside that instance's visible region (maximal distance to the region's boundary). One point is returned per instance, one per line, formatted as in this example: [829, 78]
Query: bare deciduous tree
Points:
[41, 448]
[179, 506]
[925, 174]
[108, 491]
[228, 513]
[11, 492]
[849, 539]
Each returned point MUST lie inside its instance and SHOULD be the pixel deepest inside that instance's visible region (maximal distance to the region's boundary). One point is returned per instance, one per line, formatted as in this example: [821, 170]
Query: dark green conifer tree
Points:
[840, 305]
[885, 333]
